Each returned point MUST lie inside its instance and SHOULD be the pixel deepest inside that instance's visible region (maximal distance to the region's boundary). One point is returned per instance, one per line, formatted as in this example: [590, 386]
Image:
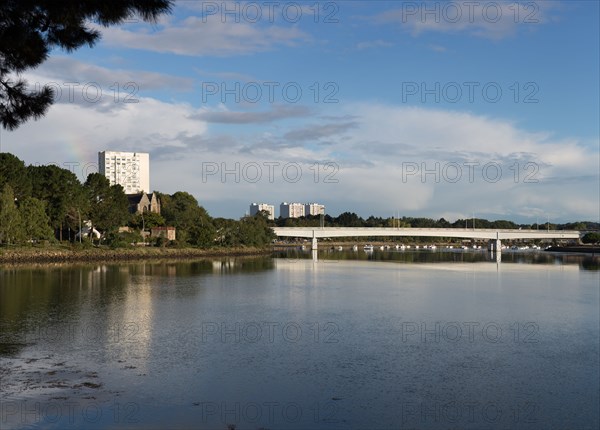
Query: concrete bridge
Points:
[494, 236]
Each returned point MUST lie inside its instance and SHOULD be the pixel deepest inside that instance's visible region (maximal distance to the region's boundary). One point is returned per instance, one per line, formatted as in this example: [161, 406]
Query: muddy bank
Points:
[55, 254]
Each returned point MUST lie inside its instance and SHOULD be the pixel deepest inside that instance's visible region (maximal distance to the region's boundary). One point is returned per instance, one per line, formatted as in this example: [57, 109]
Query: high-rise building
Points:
[314, 209]
[257, 207]
[291, 210]
[131, 170]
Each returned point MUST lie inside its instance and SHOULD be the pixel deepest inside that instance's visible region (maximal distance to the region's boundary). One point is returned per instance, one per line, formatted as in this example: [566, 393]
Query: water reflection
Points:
[51, 297]
[585, 262]
[347, 343]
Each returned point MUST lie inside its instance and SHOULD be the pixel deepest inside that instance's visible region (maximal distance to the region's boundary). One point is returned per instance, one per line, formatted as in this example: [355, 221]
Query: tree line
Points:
[49, 203]
[351, 219]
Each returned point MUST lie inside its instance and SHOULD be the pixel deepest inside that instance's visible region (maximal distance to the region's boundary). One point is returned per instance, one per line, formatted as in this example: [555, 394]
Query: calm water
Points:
[386, 341]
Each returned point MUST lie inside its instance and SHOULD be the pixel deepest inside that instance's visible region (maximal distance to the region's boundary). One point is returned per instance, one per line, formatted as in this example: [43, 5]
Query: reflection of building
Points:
[291, 210]
[314, 209]
[143, 202]
[165, 232]
[131, 170]
[257, 207]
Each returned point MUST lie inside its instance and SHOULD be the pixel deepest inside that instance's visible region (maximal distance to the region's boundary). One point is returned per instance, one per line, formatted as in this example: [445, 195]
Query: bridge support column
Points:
[495, 245]
[314, 241]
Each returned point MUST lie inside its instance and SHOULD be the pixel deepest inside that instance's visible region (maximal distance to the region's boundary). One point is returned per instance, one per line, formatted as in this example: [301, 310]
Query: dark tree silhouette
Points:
[30, 29]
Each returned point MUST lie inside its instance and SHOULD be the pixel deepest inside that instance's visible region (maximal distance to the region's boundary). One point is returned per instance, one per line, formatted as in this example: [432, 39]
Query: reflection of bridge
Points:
[494, 236]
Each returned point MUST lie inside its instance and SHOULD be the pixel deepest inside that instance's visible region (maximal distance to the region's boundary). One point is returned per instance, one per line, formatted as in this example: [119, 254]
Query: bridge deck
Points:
[321, 232]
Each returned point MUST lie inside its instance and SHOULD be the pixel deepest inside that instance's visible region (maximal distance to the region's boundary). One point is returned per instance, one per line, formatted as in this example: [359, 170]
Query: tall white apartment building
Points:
[291, 210]
[131, 170]
[314, 209]
[257, 207]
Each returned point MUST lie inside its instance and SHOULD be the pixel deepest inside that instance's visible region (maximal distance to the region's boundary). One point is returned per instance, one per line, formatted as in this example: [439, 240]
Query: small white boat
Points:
[355, 248]
[368, 248]
[339, 248]
[381, 248]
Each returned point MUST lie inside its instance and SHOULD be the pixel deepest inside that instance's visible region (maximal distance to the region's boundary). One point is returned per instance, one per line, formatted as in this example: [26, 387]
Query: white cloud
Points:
[371, 147]
[275, 113]
[200, 36]
[391, 140]
[62, 69]
[492, 20]
[71, 133]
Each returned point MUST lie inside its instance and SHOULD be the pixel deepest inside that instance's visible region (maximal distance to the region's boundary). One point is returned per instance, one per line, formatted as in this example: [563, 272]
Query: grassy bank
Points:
[66, 253]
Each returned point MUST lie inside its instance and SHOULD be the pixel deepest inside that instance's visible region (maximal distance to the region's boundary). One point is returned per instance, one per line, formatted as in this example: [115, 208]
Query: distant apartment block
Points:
[257, 207]
[314, 209]
[131, 170]
[291, 210]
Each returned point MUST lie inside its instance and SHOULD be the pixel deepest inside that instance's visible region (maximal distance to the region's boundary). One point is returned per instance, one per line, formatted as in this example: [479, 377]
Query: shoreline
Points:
[575, 249]
[65, 255]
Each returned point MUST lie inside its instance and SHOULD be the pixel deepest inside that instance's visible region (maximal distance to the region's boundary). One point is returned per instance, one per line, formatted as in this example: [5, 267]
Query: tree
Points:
[592, 237]
[30, 29]
[108, 205]
[255, 231]
[182, 211]
[146, 220]
[62, 192]
[34, 219]
[442, 223]
[14, 173]
[348, 219]
[11, 229]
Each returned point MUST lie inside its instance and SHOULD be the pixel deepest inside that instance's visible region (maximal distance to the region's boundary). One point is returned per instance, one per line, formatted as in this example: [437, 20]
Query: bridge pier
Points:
[495, 245]
[314, 241]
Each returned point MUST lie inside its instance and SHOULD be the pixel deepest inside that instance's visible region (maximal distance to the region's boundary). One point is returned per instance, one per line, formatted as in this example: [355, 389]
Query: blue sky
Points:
[418, 108]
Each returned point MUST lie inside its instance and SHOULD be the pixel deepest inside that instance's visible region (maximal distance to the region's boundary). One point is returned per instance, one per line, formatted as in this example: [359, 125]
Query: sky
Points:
[385, 108]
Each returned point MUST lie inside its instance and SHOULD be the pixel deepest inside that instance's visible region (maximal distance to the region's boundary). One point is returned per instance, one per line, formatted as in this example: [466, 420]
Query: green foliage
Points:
[84, 244]
[350, 219]
[249, 231]
[202, 235]
[108, 205]
[116, 239]
[194, 225]
[14, 173]
[255, 231]
[34, 219]
[54, 196]
[62, 192]
[31, 29]
[11, 227]
[592, 237]
[146, 220]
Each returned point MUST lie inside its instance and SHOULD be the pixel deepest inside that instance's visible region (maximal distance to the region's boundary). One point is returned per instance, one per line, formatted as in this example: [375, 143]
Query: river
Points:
[386, 340]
